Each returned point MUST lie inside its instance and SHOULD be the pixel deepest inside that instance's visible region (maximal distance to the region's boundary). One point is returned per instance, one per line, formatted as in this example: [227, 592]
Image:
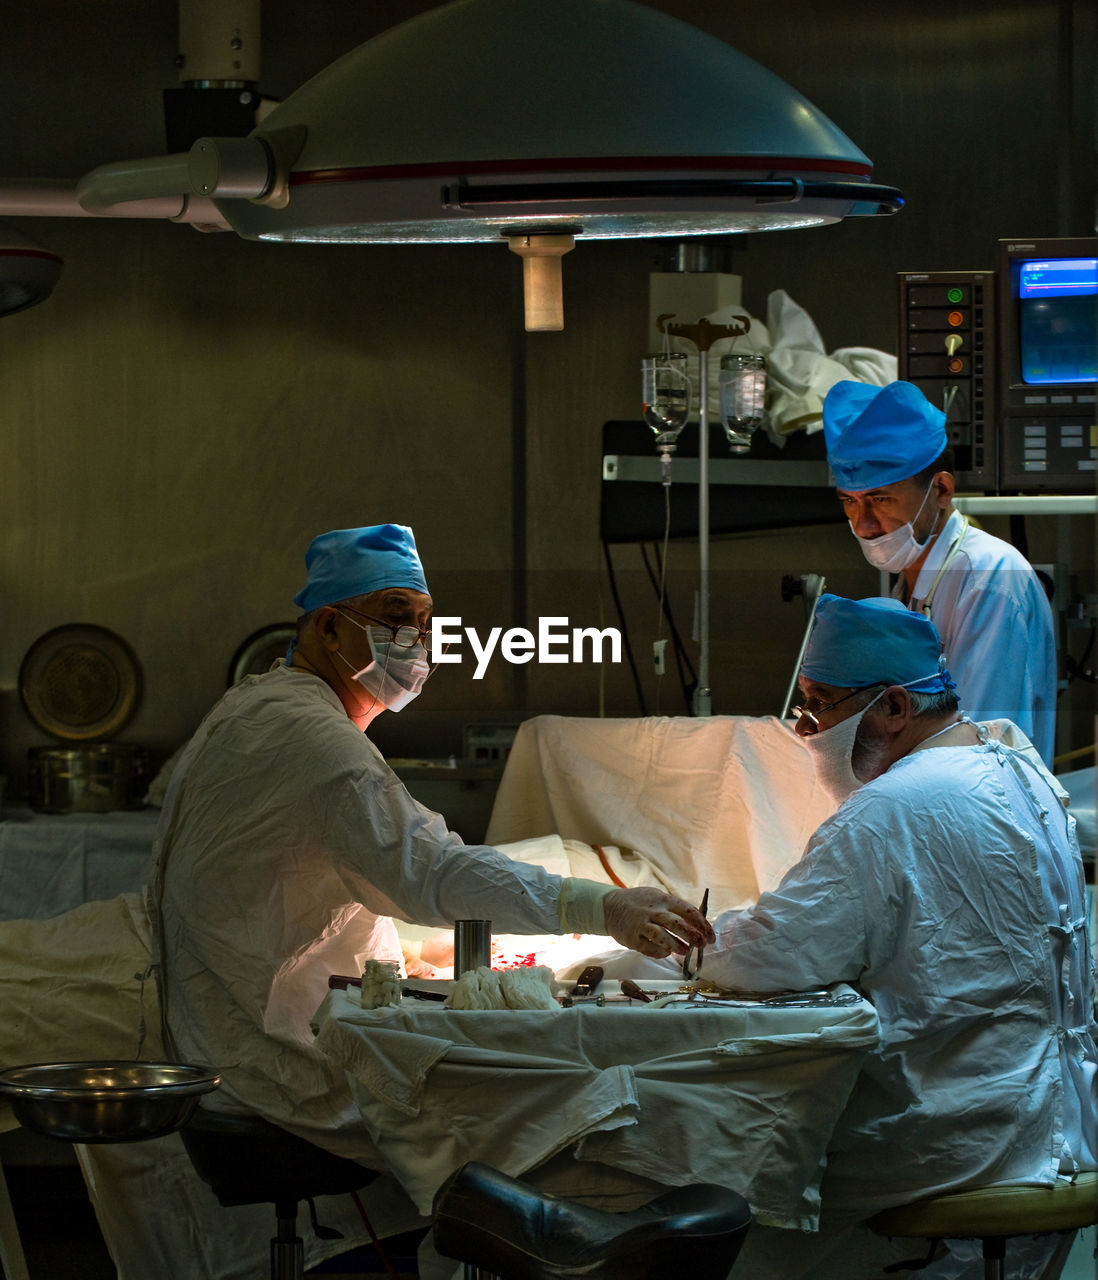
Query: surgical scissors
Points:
[687, 971]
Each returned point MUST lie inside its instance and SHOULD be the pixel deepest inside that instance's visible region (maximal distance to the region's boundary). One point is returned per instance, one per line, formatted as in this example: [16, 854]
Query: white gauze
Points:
[484, 988]
[529, 987]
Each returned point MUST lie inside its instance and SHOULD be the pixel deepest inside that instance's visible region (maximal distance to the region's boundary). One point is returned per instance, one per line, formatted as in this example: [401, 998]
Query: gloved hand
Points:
[655, 923]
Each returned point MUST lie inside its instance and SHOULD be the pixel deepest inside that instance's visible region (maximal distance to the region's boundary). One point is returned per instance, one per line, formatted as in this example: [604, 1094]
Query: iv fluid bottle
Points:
[665, 388]
[742, 384]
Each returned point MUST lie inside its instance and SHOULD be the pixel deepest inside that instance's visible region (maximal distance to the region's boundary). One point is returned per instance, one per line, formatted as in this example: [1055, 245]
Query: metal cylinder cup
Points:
[472, 945]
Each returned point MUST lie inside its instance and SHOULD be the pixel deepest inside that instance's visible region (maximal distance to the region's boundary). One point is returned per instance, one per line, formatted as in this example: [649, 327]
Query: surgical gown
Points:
[996, 626]
[285, 845]
[950, 891]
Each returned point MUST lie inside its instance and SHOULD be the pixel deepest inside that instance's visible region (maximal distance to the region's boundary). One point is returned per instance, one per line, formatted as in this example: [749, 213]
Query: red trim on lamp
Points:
[31, 253]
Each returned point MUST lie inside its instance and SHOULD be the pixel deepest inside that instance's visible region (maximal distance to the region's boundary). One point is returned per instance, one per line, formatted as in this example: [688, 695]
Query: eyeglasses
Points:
[811, 713]
[404, 637]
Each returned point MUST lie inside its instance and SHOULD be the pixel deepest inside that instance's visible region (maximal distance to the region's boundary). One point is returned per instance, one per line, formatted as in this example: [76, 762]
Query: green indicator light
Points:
[955, 294]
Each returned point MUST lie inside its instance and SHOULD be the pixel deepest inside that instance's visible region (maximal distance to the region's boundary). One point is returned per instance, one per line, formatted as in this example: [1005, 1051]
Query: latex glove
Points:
[654, 923]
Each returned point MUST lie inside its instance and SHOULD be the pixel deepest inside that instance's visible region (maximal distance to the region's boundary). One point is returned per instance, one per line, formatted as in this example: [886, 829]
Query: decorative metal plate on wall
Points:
[80, 682]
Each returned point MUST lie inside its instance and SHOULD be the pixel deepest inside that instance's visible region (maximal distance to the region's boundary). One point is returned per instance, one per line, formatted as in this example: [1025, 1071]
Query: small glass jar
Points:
[380, 983]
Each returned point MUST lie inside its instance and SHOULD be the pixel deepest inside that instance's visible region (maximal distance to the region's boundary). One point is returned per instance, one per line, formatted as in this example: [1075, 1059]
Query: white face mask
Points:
[896, 550]
[396, 675]
[831, 751]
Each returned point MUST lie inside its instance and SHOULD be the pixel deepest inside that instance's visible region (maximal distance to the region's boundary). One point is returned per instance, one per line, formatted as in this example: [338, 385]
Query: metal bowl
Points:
[105, 1101]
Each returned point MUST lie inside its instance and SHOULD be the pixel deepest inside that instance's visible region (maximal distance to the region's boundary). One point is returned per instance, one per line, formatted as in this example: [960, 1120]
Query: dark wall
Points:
[186, 411]
[983, 114]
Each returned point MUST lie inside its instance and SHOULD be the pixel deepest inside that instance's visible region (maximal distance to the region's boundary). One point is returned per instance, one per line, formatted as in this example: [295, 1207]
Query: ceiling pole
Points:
[219, 42]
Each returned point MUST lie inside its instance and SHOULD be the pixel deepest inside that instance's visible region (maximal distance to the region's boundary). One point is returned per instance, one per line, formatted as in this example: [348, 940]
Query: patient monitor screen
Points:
[1058, 320]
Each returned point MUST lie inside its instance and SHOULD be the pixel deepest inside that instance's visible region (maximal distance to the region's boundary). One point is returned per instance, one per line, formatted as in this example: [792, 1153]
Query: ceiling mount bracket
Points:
[543, 292]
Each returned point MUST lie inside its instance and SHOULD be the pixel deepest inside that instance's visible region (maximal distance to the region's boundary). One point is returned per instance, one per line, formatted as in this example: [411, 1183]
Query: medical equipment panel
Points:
[1011, 356]
[947, 349]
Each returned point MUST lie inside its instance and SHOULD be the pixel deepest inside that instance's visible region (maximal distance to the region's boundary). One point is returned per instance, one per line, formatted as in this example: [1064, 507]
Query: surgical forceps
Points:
[687, 971]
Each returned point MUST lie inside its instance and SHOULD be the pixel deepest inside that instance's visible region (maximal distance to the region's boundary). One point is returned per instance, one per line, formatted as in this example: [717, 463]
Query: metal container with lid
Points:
[81, 683]
[99, 778]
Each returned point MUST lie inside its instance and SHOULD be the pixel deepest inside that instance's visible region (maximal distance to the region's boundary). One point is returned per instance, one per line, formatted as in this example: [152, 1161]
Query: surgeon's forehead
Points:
[822, 692]
[879, 491]
[398, 600]
[896, 488]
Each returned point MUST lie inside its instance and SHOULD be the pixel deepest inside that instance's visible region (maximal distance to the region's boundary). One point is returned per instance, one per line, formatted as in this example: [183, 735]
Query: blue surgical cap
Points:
[855, 643]
[878, 435]
[354, 562]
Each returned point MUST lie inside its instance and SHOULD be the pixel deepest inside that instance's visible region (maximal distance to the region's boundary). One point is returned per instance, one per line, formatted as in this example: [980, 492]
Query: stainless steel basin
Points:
[112, 1101]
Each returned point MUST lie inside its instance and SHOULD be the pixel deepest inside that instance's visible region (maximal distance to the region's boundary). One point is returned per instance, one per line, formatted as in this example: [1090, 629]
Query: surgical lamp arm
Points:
[124, 181]
[215, 168]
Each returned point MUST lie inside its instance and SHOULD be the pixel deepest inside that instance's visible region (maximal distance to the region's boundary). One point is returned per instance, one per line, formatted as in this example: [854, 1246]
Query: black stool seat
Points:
[484, 1218]
[248, 1160]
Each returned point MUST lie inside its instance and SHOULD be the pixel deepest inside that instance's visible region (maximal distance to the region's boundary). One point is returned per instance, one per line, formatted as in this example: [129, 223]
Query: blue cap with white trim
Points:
[353, 562]
[878, 435]
[856, 643]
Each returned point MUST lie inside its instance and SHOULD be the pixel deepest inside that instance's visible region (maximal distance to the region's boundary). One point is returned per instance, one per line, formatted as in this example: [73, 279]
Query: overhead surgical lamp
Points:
[534, 122]
[28, 272]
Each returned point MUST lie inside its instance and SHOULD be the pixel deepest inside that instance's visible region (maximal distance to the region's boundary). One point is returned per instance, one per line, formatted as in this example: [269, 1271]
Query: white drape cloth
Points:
[742, 1097]
[71, 990]
[725, 802]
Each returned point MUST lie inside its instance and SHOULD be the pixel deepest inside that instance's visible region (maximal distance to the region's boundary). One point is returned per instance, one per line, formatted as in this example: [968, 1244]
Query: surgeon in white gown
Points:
[947, 887]
[888, 450]
[286, 845]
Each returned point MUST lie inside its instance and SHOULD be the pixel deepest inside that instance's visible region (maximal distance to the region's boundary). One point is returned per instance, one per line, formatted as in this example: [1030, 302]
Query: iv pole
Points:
[703, 335]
